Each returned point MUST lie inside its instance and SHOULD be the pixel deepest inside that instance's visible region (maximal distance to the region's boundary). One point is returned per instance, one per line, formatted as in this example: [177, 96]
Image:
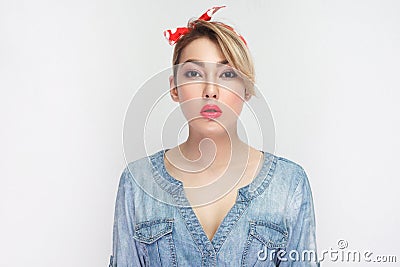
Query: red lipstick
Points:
[211, 111]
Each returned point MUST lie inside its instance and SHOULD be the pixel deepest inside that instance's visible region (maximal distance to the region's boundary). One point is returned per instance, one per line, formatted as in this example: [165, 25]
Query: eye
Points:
[229, 74]
[192, 74]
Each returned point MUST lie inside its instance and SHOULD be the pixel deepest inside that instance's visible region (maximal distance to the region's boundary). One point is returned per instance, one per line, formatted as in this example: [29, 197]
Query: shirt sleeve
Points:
[302, 248]
[127, 252]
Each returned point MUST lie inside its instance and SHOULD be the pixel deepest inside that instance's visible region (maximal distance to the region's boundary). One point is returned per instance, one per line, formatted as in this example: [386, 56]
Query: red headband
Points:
[174, 35]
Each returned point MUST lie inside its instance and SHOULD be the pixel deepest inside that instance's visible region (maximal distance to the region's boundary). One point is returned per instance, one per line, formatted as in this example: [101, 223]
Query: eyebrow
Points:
[200, 63]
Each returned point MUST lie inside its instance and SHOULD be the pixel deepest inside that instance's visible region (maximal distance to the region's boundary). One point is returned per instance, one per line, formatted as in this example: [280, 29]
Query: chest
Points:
[211, 214]
[212, 202]
[211, 199]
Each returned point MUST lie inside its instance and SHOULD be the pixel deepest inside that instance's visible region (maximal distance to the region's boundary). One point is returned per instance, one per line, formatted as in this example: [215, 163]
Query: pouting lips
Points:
[210, 108]
[211, 111]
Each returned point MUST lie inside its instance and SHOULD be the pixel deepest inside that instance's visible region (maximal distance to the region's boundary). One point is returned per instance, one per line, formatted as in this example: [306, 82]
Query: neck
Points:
[215, 150]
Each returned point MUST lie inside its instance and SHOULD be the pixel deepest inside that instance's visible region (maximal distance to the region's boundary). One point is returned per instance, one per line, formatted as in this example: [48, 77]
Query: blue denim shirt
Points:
[271, 223]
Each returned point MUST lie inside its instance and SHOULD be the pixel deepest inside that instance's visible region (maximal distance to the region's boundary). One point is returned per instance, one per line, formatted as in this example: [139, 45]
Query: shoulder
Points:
[145, 164]
[290, 166]
[288, 172]
[141, 168]
[144, 182]
[284, 164]
[290, 180]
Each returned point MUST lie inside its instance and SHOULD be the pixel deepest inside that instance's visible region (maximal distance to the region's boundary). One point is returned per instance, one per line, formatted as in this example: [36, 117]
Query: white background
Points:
[68, 70]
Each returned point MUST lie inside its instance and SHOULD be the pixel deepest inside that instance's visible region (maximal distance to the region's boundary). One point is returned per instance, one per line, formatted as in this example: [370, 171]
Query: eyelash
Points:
[191, 71]
[234, 75]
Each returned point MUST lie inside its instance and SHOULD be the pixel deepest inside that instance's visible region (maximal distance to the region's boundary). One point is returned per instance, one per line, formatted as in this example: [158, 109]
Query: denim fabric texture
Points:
[274, 213]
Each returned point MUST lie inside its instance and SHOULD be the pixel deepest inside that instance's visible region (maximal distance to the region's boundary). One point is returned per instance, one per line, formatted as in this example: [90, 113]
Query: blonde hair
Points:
[232, 47]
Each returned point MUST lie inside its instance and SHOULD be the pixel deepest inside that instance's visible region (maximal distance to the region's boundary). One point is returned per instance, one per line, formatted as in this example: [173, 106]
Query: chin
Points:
[211, 126]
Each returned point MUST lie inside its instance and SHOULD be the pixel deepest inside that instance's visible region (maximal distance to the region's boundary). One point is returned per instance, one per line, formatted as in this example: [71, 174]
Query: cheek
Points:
[233, 101]
[190, 101]
[189, 91]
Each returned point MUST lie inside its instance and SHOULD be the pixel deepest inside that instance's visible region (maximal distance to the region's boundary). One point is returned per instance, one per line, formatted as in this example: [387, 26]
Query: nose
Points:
[210, 91]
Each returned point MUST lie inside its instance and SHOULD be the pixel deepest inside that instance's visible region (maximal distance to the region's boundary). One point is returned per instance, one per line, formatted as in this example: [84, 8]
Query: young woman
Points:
[213, 200]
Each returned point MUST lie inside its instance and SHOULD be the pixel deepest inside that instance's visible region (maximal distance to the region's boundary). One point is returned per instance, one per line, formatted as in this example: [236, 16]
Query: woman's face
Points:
[211, 92]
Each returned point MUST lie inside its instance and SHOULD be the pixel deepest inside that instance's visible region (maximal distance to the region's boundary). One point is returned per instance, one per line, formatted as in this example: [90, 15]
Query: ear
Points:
[173, 91]
[247, 95]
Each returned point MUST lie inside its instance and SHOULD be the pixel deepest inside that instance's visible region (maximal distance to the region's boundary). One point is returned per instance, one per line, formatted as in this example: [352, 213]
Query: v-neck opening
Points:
[244, 195]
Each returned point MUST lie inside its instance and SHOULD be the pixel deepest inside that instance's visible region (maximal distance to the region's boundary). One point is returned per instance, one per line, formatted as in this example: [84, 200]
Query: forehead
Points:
[202, 49]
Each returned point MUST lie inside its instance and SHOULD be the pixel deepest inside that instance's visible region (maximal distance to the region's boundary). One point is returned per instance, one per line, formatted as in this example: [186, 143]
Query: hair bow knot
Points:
[174, 35]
